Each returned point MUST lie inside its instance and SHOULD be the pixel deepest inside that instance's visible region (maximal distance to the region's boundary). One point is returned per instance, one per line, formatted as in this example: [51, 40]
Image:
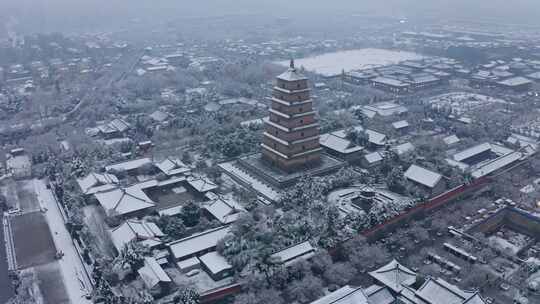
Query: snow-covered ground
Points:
[331, 64]
[75, 279]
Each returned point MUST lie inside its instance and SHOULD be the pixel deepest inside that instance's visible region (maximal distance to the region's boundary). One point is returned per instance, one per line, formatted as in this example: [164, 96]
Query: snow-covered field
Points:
[333, 63]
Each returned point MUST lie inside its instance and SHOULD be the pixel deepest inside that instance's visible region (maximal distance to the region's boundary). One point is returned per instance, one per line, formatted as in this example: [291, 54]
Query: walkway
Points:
[6, 290]
[75, 279]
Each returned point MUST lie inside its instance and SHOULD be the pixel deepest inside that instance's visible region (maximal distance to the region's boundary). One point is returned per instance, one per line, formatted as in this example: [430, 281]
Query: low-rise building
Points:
[172, 167]
[156, 280]
[197, 244]
[431, 181]
[226, 211]
[125, 202]
[372, 159]
[216, 265]
[405, 286]
[293, 254]
[516, 83]
[341, 147]
[97, 182]
[144, 232]
[113, 129]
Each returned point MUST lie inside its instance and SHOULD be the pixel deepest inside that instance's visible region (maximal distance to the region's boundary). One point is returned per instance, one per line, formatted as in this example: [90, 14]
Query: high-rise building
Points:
[291, 137]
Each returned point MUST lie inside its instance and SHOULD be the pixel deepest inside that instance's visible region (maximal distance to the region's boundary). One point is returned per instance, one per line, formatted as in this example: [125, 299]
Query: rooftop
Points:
[224, 210]
[96, 182]
[215, 262]
[400, 124]
[291, 254]
[394, 275]
[339, 144]
[172, 166]
[515, 81]
[202, 184]
[198, 242]
[344, 295]
[390, 82]
[125, 200]
[146, 232]
[152, 274]
[292, 74]
[129, 165]
[423, 176]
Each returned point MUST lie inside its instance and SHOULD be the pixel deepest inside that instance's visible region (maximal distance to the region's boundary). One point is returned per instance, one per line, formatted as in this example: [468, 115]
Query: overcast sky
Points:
[45, 14]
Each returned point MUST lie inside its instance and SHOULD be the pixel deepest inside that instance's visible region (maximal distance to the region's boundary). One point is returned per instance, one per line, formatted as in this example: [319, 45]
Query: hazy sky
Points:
[45, 14]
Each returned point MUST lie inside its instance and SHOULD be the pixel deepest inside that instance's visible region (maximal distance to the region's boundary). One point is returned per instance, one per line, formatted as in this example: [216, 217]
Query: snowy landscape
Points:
[331, 64]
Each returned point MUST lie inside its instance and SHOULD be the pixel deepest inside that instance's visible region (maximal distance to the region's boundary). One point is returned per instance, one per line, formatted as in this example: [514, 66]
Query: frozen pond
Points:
[333, 63]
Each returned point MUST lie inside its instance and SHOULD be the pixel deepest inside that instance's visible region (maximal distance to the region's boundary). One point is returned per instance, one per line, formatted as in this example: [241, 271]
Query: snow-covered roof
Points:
[338, 144]
[394, 276]
[117, 125]
[96, 182]
[202, 184]
[198, 242]
[470, 152]
[403, 148]
[129, 165]
[376, 137]
[390, 82]
[515, 81]
[159, 116]
[374, 157]
[291, 254]
[188, 263]
[172, 166]
[152, 274]
[438, 291]
[147, 233]
[400, 124]
[215, 262]
[379, 295]
[386, 108]
[124, 200]
[224, 210]
[292, 74]
[423, 176]
[344, 295]
[450, 140]
[171, 211]
[497, 164]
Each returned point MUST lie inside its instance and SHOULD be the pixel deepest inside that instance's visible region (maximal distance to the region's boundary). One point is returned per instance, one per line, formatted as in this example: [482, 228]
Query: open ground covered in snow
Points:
[333, 63]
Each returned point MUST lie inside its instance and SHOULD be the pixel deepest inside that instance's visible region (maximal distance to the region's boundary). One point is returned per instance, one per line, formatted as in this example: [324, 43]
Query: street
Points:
[76, 281]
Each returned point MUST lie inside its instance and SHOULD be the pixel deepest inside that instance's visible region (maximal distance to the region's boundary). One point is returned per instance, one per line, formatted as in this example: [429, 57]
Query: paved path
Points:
[75, 278]
[6, 290]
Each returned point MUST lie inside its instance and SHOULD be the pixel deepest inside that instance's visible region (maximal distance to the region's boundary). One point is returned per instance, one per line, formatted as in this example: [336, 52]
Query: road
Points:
[75, 279]
[6, 290]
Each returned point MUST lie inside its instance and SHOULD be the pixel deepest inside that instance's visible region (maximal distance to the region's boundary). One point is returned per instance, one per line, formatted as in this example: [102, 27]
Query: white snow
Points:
[331, 64]
[250, 180]
[504, 244]
[76, 281]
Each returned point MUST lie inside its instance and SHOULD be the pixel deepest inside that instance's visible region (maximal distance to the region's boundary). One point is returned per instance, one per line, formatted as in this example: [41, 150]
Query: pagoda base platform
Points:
[280, 179]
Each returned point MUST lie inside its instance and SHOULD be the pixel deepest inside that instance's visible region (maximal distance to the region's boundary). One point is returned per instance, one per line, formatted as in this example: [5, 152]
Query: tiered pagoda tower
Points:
[291, 137]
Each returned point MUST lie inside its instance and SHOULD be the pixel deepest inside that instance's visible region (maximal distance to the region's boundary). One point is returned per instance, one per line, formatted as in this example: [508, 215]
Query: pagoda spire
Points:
[292, 65]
